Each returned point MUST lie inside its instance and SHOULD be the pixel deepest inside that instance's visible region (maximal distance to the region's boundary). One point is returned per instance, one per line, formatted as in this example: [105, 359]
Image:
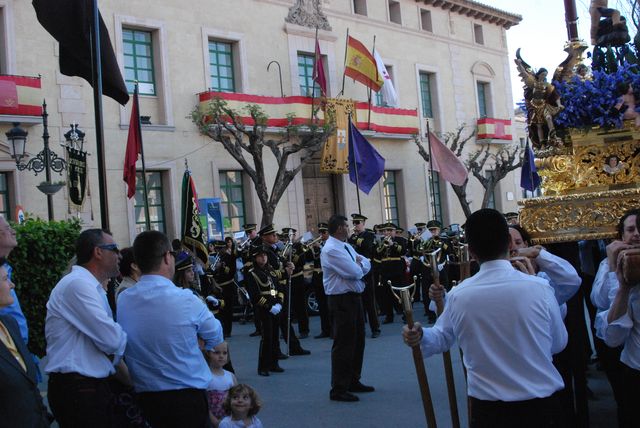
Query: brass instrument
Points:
[312, 242]
[245, 243]
[387, 241]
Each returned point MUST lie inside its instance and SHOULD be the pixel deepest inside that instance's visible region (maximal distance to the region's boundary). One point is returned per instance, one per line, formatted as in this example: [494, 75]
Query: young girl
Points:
[243, 404]
[222, 381]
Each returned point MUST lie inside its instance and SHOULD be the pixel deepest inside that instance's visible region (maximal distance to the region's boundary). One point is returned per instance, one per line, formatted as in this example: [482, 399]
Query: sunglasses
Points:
[173, 253]
[110, 247]
[356, 222]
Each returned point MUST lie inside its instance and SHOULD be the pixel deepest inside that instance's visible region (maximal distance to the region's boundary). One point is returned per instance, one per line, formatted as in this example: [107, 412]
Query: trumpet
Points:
[244, 244]
[387, 241]
[313, 242]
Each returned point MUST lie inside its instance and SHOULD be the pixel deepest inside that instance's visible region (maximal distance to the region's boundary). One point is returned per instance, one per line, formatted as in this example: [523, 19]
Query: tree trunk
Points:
[267, 215]
[488, 191]
[461, 193]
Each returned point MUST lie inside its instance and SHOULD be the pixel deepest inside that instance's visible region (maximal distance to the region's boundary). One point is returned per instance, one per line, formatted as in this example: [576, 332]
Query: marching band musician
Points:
[390, 251]
[318, 287]
[267, 296]
[298, 304]
[252, 240]
[413, 251]
[269, 239]
[224, 272]
[363, 241]
[433, 244]
[375, 265]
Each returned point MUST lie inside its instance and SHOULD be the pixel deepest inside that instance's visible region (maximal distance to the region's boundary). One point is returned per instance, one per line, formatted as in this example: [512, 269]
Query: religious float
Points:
[584, 124]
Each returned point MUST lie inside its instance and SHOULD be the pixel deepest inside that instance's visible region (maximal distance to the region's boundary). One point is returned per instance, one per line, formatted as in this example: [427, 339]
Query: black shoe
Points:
[304, 335]
[276, 369]
[359, 387]
[255, 333]
[343, 396]
[375, 334]
[300, 352]
[263, 373]
[388, 321]
[282, 356]
[321, 336]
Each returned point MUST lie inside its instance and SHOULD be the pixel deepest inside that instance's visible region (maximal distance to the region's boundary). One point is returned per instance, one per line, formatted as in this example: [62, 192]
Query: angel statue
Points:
[543, 103]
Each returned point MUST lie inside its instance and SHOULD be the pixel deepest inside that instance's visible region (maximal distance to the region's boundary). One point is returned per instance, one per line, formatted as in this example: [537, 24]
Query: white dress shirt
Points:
[340, 272]
[508, 325]
[625, 330]
[605, 288]
[80, 331]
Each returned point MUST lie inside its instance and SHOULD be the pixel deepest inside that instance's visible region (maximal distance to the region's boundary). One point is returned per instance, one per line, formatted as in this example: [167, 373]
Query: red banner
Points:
[20, 95]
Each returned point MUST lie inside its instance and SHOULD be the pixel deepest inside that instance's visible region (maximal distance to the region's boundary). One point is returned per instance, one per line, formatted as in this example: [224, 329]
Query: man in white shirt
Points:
[508, 325]
[342, 272]
[83, 340]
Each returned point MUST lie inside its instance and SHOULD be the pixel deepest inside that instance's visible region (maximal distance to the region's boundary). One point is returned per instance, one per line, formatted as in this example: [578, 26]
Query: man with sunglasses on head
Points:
[164, 324]
[84, 343]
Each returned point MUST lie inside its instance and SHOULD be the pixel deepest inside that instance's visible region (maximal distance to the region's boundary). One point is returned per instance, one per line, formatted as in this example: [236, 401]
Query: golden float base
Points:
[569, 218]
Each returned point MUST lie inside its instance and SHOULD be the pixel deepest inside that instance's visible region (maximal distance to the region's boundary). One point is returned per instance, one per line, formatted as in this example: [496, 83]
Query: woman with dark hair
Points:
[128, 270]
[20, 400]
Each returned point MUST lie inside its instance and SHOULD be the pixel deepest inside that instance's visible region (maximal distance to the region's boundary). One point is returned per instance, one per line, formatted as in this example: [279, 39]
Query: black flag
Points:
[69, 22]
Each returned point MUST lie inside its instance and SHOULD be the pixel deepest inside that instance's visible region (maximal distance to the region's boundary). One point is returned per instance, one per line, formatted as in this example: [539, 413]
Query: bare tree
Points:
[246, 143]
[506, 159]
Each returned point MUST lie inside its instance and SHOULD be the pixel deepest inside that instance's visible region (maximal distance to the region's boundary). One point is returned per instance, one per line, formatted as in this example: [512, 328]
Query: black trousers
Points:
[321, 298]
[268, 353]
[535, 413]
[229, 294]
[347, 352]
[298, 304]
[628, 414]
[178, 408]
[369, 303]
[283, 321]
[79, 401]
[390, 272]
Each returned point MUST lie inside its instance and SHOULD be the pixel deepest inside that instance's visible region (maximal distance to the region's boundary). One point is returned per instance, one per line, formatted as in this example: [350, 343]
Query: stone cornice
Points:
[477, 11]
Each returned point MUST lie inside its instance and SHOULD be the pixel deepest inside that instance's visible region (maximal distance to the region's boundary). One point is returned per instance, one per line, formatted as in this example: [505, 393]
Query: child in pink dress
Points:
[222, 381]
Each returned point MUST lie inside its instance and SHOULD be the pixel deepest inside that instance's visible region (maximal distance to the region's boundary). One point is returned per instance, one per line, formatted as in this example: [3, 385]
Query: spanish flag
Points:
[361, 66]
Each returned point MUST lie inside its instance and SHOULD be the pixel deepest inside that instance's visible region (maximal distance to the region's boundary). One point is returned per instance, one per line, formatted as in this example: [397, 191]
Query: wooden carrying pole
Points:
[446, 356]
[425, 392]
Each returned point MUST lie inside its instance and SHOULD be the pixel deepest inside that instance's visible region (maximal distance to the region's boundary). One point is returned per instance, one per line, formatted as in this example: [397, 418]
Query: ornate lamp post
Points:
[46, 160]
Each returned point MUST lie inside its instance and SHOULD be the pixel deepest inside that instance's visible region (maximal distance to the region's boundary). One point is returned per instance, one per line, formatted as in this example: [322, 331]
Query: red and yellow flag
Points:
[361, 66]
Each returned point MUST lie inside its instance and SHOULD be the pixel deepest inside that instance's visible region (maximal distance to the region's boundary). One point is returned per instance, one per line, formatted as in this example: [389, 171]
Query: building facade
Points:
[447, 59]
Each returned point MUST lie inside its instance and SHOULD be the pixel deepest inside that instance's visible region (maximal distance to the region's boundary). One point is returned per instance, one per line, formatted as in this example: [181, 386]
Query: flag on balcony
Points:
[335, 153]
[447, 164]
[318, 71]
[366, 166]
[529, 178]
[20, 95]
[134, 147]
[69, 22]
[490, 128]
[193, 234]
[389, 94]
[360, 65]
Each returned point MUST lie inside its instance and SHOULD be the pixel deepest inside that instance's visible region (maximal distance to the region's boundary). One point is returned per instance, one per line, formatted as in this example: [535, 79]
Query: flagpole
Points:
[147, 221]
[373, 53]
[355, 165]
[433, 187]
[96, 65]
[313, 86]
[346, 46]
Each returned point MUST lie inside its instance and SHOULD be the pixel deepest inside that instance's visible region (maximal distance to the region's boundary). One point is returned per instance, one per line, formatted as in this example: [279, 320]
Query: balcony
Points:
[20, 99]
[495, 131]
[385, 122]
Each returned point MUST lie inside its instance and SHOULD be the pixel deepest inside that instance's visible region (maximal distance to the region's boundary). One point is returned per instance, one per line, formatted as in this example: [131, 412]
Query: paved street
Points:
[299, 397]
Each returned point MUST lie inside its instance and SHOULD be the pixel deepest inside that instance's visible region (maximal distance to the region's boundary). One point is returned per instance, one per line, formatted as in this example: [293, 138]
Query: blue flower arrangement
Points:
[592, 102]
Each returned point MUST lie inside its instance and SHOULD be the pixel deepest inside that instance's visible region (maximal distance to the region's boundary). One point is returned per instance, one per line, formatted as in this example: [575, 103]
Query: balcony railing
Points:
[490, 128]
[20, 96]
[383, 120]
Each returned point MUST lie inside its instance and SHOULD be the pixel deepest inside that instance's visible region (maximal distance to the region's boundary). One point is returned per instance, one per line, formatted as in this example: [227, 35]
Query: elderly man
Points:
[163, 324]
[83, 340]
[7, 244]
[508, 325]
[343, 272]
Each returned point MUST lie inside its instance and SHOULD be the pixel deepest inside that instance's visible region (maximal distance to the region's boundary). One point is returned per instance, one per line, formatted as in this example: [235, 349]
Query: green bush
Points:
[42, 255]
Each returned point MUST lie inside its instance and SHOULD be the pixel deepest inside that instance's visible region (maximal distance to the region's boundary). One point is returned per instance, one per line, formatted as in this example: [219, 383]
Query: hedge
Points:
[42, 255]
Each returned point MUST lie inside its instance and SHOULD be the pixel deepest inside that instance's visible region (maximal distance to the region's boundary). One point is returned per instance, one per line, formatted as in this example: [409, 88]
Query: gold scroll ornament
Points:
[335, 154]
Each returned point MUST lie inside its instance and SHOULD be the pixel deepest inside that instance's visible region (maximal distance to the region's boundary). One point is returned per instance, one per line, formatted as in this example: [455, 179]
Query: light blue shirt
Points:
[508, 325]
[625, 330]
[14, 310]
[163, 323]
[80, 331]
[340, 272]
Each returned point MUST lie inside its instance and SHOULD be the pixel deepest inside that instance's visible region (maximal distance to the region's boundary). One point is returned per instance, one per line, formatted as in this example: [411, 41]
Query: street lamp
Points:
[46, 160]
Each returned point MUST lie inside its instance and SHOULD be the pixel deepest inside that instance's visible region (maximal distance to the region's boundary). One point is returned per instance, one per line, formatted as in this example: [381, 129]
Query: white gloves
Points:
[275, 309]
[212, 300]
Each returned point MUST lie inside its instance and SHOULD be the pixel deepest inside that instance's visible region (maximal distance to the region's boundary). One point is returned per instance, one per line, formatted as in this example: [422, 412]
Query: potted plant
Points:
[51, 188]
